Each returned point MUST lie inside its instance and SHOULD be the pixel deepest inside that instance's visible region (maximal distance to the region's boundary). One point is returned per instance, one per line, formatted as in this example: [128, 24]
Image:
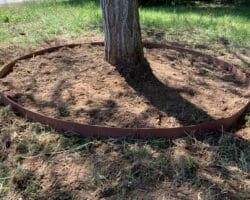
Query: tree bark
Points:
[123, 45]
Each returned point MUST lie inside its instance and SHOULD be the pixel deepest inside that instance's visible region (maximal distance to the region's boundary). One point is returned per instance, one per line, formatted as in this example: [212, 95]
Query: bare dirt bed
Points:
[76, 84]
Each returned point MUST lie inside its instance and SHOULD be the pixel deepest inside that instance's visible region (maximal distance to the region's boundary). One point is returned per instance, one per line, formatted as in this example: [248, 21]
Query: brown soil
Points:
[78, 85]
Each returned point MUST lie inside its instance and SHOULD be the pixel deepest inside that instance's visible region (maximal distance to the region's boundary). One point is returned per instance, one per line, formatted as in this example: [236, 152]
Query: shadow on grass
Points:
[141, 167]
[203, 10]
[129, 167]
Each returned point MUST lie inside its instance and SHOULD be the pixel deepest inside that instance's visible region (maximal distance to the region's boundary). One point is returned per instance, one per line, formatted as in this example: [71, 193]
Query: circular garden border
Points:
[84, 130]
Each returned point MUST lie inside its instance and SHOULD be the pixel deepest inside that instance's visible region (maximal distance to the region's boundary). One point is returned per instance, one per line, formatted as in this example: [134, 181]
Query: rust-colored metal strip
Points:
[85, 130]
[8, 67]
[88, 130]
[241, 74]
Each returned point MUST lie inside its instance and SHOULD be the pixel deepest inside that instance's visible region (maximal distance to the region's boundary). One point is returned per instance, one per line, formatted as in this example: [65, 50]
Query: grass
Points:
[32, 22]
[212, 167]
[201, 23]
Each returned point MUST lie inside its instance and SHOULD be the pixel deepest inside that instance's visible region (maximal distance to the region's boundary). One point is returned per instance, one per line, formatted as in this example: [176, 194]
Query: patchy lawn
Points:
[39, 163]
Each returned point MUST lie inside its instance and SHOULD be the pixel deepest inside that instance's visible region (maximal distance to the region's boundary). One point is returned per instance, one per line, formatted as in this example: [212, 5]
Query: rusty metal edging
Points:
[89, 130]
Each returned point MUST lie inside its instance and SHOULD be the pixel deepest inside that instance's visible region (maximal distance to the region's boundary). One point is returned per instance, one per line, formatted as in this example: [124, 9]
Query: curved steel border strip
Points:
[85, 130]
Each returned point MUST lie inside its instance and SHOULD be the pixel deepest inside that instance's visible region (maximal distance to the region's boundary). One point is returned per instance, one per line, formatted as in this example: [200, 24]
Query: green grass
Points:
[32, 22]
[42, 20]
[201, 23]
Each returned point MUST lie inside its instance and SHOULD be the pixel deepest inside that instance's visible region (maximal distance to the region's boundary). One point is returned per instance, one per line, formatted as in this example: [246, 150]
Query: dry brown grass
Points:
[42, 164]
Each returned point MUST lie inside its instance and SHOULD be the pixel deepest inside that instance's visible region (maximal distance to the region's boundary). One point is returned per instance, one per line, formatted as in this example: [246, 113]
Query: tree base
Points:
[136, 73]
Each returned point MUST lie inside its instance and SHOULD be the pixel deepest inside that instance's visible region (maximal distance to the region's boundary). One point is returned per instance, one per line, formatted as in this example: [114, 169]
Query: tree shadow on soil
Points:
[166, 100]
[57, 102]
[162, 97]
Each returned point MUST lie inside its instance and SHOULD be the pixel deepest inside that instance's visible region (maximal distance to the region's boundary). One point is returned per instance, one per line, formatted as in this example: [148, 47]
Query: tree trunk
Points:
[123, 45]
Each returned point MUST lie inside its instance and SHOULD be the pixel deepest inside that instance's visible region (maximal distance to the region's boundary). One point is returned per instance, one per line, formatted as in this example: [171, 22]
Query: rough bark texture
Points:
[122, 32]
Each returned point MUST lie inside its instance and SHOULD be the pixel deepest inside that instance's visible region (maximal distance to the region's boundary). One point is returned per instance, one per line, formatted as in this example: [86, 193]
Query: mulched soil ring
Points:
[181, 91]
